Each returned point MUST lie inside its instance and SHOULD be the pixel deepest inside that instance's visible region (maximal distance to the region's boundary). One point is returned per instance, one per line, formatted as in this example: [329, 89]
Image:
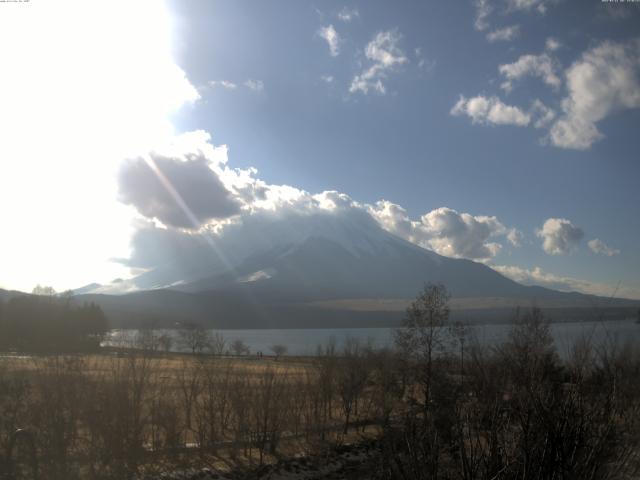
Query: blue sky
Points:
[404, 145]
[498, 130]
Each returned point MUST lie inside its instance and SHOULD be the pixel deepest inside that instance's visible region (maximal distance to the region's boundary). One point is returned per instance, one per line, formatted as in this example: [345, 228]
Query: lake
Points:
[305, 341]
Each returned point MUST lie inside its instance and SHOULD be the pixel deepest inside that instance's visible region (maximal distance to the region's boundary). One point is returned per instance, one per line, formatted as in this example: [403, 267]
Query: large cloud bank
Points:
[198, 216]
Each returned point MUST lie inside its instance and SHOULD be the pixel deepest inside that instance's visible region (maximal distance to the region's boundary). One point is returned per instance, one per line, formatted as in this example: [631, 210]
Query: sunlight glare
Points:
[84, 85]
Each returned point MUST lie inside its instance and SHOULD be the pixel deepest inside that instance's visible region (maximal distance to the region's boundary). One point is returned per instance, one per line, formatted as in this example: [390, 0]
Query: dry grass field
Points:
[153, 412]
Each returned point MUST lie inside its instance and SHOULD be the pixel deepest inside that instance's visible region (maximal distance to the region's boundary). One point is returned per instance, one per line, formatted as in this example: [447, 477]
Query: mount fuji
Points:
[321, 271]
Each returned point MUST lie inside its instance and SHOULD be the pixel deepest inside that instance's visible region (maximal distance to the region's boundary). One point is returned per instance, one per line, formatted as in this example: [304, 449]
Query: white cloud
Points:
[528, 5]
[537, 276]
[597, 246]
[605, 80]
[223, 83]
[348, 14]
[327, 78]
[330, 35]
[541, 114]
[198, 191]
[255, 85]
[395, 219]
[505, 34]
[552, 44]
[291, 217]
[571, 131]
[515, 237]
[190, 173]
[251, 84]
[559, 236]
[186, 183]
[386, 55]
[178, 187]
[483, 10]
[541, 66]
[423, 63]
[490, 110]
[443, 230]
[461, 234]
[618, 12]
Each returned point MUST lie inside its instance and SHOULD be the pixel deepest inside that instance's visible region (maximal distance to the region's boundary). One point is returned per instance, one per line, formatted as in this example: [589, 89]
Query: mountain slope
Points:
[314, 275]
[321, 268]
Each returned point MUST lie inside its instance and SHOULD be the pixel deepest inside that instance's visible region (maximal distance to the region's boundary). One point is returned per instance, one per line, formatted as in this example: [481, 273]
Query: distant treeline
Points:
[34, 323]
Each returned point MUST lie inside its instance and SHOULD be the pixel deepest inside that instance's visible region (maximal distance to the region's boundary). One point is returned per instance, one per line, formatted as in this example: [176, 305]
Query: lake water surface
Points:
[306, 341]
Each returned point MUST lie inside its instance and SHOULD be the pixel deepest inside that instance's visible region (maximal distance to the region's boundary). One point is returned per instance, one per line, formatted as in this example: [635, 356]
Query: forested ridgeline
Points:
[48, 323]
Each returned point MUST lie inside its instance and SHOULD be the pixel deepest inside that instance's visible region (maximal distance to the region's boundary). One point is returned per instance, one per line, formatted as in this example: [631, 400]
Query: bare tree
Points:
[217, 343]
[147, 339]
[529, 350]
[238, 347]
[194, 337]
[43, 291]
[166, 342]
[213, 412]
[352, 375]
[421, 335]
[388, 388]
[268, 412]
[324, 387]
[460, 333]
[279, 350]
[190, 386]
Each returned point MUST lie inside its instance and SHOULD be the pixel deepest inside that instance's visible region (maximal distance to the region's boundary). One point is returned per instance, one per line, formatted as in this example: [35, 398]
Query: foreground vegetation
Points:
[436, 406]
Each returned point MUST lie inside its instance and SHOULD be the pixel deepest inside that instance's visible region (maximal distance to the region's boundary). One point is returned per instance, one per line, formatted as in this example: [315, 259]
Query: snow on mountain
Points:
[226, 253]
[311, 274]
[317, 256]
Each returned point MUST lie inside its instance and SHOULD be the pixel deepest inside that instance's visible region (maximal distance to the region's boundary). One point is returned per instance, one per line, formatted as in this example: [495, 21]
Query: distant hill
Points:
[8, 294]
